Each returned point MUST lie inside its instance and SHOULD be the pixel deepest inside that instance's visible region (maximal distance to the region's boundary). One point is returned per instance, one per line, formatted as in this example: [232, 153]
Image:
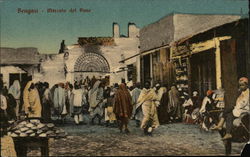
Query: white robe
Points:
[147, 99]
[242, 104]
[203, 105]
[137, 112]
[59, 100]
[77, 101]
[15, 89]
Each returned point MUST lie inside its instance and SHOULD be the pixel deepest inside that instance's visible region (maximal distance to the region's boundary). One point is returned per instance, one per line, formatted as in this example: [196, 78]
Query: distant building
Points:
[158, 40]
[214, 59]
[95, 56]
[196, 52]
[18, 64]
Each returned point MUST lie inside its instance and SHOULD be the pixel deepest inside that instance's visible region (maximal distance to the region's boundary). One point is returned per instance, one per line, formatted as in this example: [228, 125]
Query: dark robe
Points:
[123, 102]
[162, 110]
[11, 101]
[46, 107]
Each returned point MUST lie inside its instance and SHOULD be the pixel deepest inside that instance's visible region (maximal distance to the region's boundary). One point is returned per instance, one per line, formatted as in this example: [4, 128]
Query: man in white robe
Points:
[147, 99]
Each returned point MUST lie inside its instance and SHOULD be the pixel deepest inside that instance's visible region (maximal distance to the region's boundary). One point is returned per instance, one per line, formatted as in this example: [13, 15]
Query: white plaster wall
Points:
[133, 31]
[75, 51]
[116, 31]
[126, 46]
[53, 69]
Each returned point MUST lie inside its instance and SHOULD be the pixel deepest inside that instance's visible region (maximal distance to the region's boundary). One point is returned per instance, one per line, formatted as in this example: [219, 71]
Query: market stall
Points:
[33, 133]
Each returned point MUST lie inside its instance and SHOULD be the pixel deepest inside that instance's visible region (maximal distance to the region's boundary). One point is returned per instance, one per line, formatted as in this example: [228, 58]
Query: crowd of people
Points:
[150, 106]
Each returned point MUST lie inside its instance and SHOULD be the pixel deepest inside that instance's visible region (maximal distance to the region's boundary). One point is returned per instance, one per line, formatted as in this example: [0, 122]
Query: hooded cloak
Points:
[123, 102]
[31, 100]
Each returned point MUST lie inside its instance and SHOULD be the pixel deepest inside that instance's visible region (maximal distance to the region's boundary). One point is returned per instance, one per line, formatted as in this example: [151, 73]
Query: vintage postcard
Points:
[124, 77]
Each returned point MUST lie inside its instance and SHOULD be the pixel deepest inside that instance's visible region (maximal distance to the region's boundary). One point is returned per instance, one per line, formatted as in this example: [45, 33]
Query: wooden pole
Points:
[151, 69]
[218, 63]
[189, 75]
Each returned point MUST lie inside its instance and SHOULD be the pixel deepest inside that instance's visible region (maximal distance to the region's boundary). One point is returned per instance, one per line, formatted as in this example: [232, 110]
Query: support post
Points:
[151, 69]
[218, 63]
[138, 68]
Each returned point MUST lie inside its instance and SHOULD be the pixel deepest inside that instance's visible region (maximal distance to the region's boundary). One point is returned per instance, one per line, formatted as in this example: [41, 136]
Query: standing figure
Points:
[86, 81]
[137, 110]
[174, 104]
[96, 102]
[106, 95]
[46, 103]
[85, 104]
[110, 110]
[15, 91]
[67, 97]
[123, 107]
[77, 103]
[162, 110]
[3, 100]
[188, 106]
[11, 106]
[93, 81]
[150, 118]
[59, 102]
[159, 92]
[71, 99]
[31, 100]
[109, 101]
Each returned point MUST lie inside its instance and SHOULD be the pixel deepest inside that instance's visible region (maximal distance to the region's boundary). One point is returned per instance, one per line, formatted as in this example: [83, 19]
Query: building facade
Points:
[94, 56]
[196, 53]
[158, 42]
[18, 64]
[215, 59]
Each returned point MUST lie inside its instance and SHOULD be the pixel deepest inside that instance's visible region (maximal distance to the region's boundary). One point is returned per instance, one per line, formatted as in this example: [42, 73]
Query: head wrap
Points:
[157, 85]
[61, 84]
[209, 92]
[243, 80]
[195, 93]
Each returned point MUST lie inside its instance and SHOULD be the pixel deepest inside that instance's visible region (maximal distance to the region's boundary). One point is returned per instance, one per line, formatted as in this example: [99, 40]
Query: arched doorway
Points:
[91, 64]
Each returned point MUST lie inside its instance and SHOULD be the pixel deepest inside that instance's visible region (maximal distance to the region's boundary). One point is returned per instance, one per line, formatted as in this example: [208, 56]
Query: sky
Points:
[46, 30]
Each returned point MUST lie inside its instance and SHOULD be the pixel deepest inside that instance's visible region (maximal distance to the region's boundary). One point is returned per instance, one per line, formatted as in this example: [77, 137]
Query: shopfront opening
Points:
[203, 74]
[145, 71]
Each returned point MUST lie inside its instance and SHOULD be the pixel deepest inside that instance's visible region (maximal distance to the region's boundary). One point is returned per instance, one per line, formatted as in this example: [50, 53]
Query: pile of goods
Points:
[34, 128]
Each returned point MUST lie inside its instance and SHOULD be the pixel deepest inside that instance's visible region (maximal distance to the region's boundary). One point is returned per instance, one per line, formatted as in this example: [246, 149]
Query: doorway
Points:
[203, 74]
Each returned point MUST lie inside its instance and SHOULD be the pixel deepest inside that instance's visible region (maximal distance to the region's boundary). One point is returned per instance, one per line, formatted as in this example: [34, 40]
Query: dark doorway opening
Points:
[203, 72]
[146, 68]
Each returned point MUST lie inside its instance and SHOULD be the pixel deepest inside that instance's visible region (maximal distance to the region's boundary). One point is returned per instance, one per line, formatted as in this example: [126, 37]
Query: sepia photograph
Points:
[124, 78]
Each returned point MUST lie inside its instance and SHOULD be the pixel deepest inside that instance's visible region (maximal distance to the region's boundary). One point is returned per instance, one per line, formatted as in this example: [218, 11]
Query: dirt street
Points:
[169, 139]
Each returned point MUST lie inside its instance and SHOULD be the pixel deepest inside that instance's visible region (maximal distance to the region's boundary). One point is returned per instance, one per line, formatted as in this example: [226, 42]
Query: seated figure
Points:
[241, 107]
